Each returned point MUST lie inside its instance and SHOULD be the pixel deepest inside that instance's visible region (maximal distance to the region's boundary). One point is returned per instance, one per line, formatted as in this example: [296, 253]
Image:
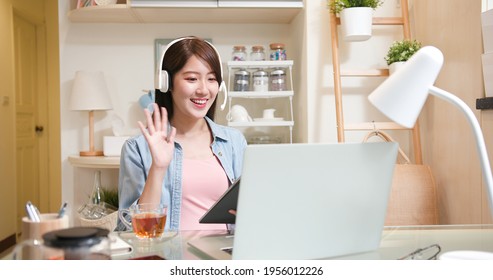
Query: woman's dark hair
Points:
[175, 59]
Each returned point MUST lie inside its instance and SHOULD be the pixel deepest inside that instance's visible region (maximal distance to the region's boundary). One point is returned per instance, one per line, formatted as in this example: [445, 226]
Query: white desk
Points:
[396, 242]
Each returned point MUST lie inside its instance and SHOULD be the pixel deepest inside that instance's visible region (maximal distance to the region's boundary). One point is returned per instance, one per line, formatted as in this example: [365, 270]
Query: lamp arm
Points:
[480, 144]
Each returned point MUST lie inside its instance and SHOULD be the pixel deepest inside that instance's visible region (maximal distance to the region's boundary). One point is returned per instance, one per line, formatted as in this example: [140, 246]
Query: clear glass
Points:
[241, 80]
[257, 53]
[239, 53]
[260, 80]
[277, 51]
[97, 195]
[277, 80]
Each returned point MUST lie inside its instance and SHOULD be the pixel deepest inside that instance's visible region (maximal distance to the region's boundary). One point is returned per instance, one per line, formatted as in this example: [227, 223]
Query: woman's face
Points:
[194, 90]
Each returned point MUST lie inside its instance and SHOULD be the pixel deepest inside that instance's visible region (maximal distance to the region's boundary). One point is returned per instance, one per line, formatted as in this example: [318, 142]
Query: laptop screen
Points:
[309, 201]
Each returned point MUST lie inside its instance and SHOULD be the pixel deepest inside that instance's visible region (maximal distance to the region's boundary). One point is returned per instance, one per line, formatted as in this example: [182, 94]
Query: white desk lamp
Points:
[402, 96]
[90, 93]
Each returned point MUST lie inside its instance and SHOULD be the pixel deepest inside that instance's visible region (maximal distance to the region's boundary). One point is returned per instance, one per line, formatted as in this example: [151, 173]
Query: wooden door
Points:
[30, 116]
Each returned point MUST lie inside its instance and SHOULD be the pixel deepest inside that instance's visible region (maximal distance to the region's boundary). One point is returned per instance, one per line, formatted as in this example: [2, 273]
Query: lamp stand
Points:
[91, 151]
[480, 144]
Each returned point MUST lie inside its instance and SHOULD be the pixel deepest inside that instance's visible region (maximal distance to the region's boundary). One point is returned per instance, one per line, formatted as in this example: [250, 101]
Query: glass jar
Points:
[257, 53]
[277, 51]
[260, 80]
[239, 53]
[241, 80]
[278, 80]
[75, 243]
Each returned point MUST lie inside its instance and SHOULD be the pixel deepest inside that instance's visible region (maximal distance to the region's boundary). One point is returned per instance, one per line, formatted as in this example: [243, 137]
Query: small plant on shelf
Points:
[110, 196]
[336, 6]
[401, 51]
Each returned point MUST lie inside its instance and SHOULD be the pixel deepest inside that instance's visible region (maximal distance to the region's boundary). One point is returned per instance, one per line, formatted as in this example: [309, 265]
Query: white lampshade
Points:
[89, 92]
[402, 96]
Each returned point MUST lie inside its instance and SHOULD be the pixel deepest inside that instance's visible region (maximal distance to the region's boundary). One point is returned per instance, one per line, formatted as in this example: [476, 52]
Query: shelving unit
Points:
[288, 94]
[338, 73]
[95, 162]
[124, 13]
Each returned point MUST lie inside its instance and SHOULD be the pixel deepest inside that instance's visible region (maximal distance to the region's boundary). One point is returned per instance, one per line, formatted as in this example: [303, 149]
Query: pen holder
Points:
[49, 222]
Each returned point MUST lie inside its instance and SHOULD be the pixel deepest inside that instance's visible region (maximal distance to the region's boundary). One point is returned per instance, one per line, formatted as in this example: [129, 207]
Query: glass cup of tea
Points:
[147, 220]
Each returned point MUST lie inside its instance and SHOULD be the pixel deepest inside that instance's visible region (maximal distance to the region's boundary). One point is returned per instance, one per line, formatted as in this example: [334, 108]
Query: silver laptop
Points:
[308, 201]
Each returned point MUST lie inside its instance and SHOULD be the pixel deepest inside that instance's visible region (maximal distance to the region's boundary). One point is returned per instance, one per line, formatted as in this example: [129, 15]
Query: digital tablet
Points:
[218, 213]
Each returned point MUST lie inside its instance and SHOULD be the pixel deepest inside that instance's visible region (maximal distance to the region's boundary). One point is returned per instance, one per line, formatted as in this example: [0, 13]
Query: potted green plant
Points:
[399, 52]
[356, 17]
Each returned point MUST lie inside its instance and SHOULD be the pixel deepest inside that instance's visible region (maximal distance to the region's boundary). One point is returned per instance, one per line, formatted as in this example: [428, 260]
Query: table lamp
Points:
[90, 93]
[402, 95]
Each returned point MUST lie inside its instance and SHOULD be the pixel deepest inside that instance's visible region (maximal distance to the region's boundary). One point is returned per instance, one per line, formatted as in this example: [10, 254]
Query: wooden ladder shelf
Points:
[341, 127]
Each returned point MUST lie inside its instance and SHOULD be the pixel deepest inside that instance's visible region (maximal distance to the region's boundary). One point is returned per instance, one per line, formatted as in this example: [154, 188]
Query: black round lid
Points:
[75, 237]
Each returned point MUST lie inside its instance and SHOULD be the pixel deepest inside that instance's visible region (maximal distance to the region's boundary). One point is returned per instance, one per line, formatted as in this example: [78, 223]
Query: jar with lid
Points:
[260, 80]
[277, 51]
[239, 53]
[76, 243]
[278, 80]
[241, 80]
[257, 53]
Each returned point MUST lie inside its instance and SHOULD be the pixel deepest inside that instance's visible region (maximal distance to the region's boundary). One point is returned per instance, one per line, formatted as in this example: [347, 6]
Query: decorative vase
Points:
[356, 23]
[395, 66]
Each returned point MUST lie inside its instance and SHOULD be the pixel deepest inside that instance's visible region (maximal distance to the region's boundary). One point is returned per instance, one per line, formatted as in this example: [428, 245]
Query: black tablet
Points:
[218, 213]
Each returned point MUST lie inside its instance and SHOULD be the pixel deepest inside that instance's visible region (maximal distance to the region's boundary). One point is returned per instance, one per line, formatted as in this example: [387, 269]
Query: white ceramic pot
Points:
[395, 66]
[356, 23]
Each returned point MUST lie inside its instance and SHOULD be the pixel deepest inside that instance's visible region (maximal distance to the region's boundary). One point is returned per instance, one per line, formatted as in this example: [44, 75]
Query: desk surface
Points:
[396, 242]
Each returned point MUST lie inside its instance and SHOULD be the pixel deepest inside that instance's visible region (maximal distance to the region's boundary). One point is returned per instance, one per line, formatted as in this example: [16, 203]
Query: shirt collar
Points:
[217, 130]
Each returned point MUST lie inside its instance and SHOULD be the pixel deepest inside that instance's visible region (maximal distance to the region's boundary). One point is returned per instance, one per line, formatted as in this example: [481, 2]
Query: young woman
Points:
[183, 159]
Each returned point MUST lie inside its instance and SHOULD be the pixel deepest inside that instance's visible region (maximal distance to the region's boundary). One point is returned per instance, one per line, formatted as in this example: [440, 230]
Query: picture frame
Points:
[159, 47]
[85, 3]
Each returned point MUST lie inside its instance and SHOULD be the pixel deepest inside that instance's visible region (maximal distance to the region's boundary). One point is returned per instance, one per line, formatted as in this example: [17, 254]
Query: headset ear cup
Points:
[223, 90]
[164, 81]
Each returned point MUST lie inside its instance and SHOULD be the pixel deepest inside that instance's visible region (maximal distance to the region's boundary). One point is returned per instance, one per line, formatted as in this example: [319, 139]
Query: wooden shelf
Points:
[95, 162]
[256, 94]
[365, 73]
[382, 21]
[122, 13]
[261, 123]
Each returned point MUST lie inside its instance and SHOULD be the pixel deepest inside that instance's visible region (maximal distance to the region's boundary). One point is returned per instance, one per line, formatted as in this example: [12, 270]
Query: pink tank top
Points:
[204, 181]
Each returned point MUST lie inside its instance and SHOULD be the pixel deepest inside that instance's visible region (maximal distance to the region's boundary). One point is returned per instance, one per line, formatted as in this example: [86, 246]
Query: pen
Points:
[32, 212]
[61, 212]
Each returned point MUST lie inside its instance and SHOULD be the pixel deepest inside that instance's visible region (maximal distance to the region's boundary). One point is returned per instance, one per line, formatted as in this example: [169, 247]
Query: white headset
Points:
[161, 81]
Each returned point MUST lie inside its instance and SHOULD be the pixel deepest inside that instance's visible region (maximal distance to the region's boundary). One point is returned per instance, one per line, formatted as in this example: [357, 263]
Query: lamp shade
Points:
[89, 92]
[402, 95]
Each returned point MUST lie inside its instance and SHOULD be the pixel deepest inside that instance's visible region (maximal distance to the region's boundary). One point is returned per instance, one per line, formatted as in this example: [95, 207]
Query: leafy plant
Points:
[110, 196]
[337, 6]
[402, 50]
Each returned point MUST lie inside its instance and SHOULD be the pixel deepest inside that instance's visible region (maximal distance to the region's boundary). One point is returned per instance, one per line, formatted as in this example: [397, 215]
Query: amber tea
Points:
[147, 220]
[148, 225]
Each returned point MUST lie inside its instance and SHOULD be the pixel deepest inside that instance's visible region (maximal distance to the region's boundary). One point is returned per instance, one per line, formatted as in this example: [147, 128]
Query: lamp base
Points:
[91, 154]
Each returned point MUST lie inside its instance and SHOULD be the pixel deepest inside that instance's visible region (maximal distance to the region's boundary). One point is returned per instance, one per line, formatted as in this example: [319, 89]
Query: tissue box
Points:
[488, 73]
[487, 22]
[112, 145]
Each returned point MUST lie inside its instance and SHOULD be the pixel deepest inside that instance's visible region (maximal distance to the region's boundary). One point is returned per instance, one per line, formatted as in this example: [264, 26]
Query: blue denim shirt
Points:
[228, 146]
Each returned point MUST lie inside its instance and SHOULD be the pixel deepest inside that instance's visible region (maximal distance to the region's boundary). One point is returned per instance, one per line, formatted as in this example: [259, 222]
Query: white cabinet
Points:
[240, 97]
[202, 11]
[218, 3]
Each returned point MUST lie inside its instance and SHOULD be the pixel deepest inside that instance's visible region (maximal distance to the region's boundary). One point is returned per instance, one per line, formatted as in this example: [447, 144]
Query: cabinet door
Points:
[173, 3]
[261, 3]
